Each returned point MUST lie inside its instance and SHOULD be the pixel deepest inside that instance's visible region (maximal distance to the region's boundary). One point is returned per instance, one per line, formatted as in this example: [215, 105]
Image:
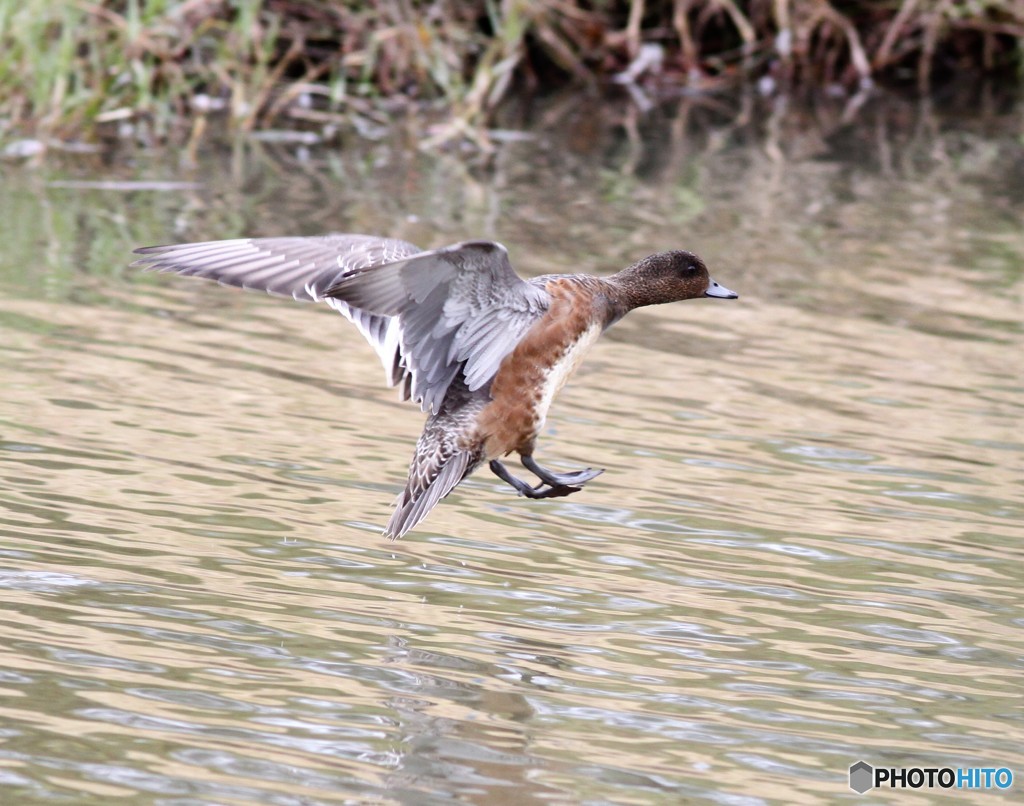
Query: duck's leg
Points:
[553, 491]
[559, 479]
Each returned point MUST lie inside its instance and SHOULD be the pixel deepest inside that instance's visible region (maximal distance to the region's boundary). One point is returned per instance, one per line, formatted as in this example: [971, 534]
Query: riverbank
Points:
[110, 69]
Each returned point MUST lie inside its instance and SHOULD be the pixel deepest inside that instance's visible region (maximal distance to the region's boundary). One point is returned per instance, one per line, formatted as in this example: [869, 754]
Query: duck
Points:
[483, 351]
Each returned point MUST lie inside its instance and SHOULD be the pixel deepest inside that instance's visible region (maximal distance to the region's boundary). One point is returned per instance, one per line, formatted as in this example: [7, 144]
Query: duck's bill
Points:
[720, 291]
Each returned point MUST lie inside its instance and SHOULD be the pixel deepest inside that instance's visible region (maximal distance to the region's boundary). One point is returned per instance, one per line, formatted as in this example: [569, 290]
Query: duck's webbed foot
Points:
[560, 479]
[557, 490]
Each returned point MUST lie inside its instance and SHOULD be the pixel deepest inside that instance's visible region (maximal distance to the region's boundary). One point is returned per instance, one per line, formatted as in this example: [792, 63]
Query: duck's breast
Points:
[532, 375]
[563, 367]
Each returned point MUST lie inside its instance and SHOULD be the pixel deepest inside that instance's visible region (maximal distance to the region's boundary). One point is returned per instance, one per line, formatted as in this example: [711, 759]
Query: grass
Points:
[83, 68]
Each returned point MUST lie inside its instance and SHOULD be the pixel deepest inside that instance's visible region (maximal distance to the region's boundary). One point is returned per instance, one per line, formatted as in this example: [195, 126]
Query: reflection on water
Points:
[805, 549]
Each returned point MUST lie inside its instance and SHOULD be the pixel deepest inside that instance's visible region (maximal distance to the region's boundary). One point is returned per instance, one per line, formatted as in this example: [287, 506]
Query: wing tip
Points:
[150, 256]
[400, 522]
[411, 509]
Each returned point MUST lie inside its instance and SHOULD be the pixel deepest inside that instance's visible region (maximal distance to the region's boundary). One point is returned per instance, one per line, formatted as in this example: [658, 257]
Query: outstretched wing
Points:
[423, 492]
[303, 268]
[459, 307]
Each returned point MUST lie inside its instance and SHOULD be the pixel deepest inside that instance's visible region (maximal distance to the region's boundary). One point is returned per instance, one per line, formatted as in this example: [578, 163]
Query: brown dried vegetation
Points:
[68, 67]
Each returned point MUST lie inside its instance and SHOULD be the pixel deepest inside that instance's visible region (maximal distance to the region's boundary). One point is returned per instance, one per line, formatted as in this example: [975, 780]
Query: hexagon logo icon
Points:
[862, 777]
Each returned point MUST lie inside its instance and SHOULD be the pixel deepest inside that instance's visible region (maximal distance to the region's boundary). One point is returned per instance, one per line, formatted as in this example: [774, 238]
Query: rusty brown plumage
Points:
[514, 417]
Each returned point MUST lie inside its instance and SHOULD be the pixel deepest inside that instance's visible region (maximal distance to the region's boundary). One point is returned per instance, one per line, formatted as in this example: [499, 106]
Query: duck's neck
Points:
[626, 290]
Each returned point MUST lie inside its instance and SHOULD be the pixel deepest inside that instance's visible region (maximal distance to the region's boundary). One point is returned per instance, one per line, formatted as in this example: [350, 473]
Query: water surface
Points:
[806, 548]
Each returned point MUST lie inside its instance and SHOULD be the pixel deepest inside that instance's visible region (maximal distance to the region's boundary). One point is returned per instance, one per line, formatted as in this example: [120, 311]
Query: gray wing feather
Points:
[413, 506]
[427, 314]
[462, 306]
[303, 268]
[297, 267]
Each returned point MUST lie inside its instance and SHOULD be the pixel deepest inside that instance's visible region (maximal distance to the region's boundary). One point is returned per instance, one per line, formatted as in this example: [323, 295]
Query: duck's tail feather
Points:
[418, 498]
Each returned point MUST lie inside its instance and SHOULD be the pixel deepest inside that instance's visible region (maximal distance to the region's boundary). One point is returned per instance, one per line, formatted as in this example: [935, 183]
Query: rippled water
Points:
[806, 549]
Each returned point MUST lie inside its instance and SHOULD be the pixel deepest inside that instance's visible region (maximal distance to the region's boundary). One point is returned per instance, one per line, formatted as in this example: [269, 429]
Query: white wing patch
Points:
[459, 309]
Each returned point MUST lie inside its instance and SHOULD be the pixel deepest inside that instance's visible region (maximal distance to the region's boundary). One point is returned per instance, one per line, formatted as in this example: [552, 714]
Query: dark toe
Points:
[555, 491]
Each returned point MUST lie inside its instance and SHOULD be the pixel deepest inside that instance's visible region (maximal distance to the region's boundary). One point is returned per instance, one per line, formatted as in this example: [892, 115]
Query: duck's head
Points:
[668, 277]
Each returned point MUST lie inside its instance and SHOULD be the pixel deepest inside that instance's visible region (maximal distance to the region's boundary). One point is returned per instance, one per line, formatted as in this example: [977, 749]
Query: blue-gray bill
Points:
[720, 291]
